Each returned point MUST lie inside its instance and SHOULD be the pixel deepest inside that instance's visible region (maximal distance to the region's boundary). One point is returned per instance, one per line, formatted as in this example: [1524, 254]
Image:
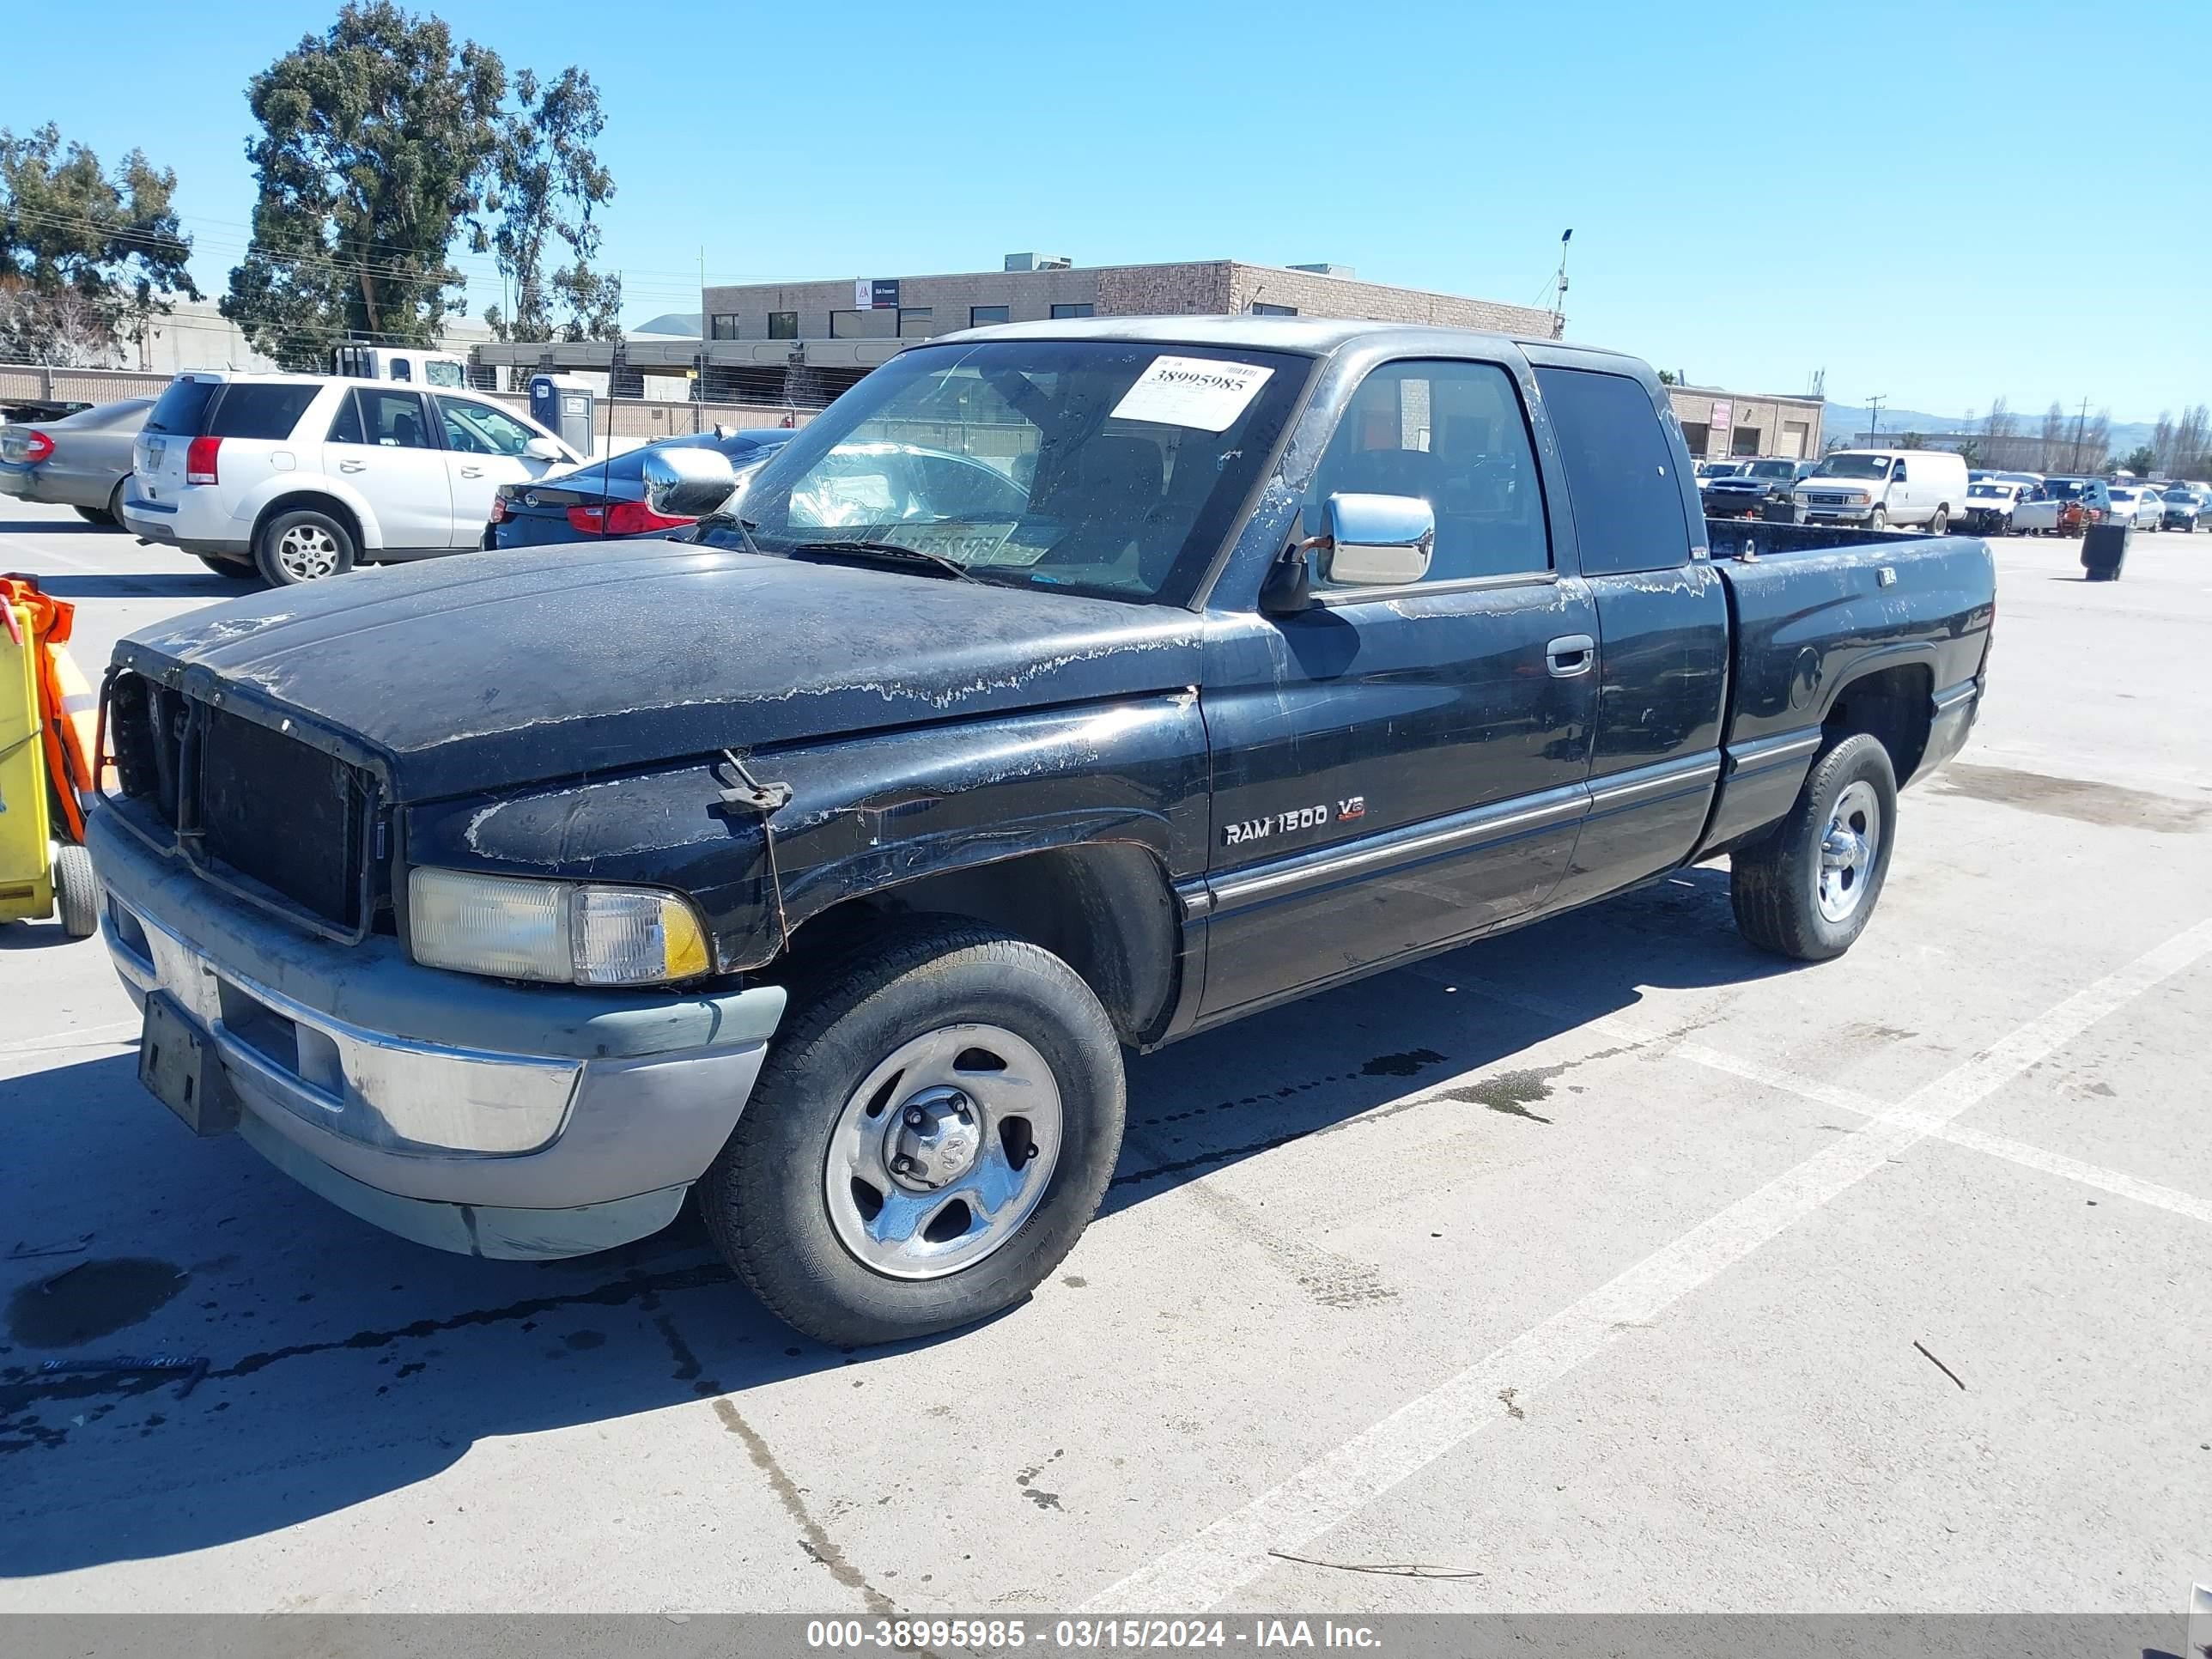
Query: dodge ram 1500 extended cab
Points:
[1064, 688]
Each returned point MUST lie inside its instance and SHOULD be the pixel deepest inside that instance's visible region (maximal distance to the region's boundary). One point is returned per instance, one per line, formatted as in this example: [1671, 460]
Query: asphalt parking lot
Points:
[1609, 1265]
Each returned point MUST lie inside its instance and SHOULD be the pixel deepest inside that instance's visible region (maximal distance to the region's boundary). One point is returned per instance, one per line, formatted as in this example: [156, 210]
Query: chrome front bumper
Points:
[472, 1114]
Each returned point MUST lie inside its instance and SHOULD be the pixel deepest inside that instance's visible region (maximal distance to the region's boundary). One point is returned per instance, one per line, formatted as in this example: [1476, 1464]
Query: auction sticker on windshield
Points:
[1194, 392]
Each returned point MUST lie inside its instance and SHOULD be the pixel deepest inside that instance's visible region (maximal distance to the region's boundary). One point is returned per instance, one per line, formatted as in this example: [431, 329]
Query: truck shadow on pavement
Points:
[344, 1365]
[147, 585]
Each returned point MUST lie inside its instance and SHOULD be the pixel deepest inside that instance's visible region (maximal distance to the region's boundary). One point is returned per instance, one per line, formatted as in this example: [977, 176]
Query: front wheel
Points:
[1808, 889]
[1878, 520]
[927, 1139]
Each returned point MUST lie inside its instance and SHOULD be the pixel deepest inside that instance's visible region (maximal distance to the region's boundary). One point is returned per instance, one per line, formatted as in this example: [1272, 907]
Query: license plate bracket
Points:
[181, 1070]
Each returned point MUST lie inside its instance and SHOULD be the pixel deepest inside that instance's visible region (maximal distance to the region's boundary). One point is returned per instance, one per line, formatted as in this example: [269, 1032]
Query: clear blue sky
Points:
[1930, 201]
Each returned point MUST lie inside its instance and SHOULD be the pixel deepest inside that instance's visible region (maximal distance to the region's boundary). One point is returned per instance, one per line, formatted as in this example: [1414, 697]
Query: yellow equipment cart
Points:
[45, 714]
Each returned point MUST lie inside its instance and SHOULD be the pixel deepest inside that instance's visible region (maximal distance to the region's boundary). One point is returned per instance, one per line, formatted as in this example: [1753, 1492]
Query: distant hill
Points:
[1847, 420]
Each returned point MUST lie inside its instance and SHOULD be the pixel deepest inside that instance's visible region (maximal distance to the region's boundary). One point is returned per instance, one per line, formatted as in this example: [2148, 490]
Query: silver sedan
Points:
[80, 460]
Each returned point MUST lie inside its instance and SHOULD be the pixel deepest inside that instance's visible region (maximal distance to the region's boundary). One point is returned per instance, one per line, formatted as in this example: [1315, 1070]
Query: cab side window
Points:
[1620, 471]
[1452, 433]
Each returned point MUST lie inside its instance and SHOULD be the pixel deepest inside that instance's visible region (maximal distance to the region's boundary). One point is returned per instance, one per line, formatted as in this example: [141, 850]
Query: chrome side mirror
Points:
[688, 483]
[1376, 541]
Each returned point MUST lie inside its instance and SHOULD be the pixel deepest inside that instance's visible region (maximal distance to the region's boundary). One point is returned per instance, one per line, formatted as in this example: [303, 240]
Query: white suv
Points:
[299, 477]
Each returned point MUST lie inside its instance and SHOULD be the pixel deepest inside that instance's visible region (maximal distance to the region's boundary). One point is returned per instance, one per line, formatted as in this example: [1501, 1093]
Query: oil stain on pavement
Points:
[91, 1300]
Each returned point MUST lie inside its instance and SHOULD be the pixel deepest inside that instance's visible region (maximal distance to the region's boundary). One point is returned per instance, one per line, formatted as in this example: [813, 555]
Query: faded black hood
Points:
[494, 669]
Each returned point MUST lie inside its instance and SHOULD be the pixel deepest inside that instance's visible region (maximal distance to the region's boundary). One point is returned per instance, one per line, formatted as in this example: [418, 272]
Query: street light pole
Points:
[1874, 418]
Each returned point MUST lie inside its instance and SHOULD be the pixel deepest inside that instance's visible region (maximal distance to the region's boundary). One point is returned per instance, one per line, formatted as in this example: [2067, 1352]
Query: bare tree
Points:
[64, 327]
[2162, 441]
[2096, 442]
[1998, 423]
[2054, 436]
[2192, 439]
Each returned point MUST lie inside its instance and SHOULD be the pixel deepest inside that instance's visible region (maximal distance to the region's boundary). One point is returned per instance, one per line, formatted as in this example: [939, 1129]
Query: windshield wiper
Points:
[891, 553]
[745, 527]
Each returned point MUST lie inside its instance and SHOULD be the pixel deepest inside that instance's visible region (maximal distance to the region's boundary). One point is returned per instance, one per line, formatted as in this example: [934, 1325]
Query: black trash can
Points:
[2104, 549]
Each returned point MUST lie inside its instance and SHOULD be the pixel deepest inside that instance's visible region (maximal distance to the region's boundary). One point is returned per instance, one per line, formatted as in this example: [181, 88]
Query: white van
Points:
[1880, 487]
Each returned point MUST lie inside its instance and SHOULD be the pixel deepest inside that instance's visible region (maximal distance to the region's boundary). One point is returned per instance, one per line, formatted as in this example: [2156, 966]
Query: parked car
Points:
[1991, 504]
[2136, 504]
[826, 868]
[1743, 494]
[2080, 502]
[300, 477]
[604, 499]
[2183, 507]
[80, 460]
[1880, 487]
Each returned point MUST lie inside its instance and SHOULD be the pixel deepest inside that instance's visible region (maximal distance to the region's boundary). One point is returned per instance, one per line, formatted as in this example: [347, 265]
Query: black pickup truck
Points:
[1064, 688]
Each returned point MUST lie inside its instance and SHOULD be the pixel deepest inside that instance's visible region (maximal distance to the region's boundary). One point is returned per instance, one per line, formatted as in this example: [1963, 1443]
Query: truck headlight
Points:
[564, 932]
[1858, 498]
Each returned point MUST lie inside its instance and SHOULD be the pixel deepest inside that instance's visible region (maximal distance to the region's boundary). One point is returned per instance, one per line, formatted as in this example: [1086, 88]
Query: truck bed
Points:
[1812, 610]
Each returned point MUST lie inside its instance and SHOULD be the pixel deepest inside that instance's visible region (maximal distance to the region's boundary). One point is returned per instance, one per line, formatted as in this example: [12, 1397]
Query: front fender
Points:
[868, 814]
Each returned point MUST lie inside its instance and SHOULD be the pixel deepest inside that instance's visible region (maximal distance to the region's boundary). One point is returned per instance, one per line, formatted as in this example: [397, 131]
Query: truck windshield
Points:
[1104, 467]
[1854, 466]
[1771, 470]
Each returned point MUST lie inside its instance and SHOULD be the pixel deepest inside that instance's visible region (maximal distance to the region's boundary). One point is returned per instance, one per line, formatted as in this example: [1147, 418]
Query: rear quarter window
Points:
[1620, 471]
[178, 408]
[258, 411]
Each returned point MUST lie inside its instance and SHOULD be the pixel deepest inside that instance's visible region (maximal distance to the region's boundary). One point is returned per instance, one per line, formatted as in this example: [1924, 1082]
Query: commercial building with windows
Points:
[803, 342]
[1720, 424]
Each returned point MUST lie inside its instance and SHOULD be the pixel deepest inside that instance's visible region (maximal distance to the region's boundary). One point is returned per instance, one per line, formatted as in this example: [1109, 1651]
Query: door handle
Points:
[1570, 654]
[472, 472]
[351, 466]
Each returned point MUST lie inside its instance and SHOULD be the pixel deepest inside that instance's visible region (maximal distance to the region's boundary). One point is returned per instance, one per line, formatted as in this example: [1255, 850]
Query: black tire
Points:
[237, 570]
[1941, 522]
[98, 515]
[277, 562]
[763, 1199]
[1774, 883]
[1878, 520]
[76, 890]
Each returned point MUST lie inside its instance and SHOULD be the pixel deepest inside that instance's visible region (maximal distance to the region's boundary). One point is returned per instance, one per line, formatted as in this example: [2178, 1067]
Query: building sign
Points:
[875, 293]
[1717, 436]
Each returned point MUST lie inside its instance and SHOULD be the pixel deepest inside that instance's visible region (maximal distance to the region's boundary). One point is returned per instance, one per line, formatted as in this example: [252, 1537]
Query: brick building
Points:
[1725, 424]
[804, 342]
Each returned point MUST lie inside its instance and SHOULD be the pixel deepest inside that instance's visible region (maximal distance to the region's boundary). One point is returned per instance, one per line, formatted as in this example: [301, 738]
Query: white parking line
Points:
[2004, 1147]
[1233, 1550]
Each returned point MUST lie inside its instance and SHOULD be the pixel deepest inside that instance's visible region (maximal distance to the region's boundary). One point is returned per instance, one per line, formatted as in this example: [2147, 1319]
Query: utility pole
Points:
[1559, 286]
[1874, 417]
[2080, 420]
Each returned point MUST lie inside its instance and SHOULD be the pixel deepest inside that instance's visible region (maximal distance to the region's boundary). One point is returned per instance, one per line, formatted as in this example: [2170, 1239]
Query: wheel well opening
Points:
[1893, 706]
[1106, 910]
[312, 501]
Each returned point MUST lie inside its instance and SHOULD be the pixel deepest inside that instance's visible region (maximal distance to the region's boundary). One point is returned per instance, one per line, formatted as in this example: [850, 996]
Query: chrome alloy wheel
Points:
[943, 1150]
[1848, 850]
[305, 552]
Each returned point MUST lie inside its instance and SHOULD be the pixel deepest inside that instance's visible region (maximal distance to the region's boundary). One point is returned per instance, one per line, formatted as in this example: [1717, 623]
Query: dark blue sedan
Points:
[604, 499]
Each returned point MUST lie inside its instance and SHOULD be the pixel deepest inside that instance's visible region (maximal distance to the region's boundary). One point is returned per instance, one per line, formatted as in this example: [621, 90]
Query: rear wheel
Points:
[98, 515]
[237, 569]
[1808, 889]
[302, 545]
[1941, 522]
[926, 1141]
